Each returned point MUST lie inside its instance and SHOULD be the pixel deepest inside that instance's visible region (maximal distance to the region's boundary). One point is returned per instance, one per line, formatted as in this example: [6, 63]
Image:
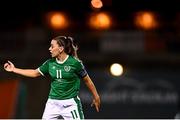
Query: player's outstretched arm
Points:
[96, 100]
[9, 66]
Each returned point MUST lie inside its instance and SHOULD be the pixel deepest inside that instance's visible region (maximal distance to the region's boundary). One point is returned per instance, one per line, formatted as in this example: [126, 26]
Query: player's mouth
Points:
[51, 53]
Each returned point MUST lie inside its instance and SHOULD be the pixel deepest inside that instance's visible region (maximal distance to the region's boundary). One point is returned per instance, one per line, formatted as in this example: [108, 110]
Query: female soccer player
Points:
[65, 70]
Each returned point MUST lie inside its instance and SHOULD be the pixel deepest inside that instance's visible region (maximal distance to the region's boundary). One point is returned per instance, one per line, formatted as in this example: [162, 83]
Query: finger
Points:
[10, 62]
[6, 65]
[99, 104]
[97, 108]
[92, 104]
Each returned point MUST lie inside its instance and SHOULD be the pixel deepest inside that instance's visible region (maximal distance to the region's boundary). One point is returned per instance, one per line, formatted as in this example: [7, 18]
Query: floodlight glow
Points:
[116, 69]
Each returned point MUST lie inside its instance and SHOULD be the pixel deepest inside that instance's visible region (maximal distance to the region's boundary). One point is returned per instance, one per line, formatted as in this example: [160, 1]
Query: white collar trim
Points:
[61, 62]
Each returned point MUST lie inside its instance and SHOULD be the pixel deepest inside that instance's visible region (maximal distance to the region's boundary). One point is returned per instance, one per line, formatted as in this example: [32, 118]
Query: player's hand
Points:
[96, 102]
[9, 66]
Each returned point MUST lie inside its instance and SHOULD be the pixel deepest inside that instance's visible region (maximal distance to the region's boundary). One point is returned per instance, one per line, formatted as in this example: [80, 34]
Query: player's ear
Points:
[61, 48]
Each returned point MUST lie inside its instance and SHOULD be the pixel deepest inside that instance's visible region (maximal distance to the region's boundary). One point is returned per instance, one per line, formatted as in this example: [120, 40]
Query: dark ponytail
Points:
[73, 47]
[70, 46]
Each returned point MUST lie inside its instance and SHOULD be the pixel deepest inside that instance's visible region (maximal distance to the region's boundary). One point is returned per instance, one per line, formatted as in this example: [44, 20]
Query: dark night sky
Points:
[18, 13]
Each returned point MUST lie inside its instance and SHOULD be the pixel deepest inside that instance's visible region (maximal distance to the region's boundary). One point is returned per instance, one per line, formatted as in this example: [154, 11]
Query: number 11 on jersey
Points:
[58, 74]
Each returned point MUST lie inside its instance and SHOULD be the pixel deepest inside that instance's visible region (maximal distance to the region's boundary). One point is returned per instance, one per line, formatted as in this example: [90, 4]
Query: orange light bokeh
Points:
[100, 21]
[96, 3]
[146, 20]
[57, 20]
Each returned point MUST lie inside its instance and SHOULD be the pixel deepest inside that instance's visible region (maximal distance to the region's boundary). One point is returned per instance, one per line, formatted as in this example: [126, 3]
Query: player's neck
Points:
[62, 57]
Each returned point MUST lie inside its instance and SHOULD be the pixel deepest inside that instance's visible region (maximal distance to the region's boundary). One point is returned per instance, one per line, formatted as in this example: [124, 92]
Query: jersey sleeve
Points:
[43, 69]
[81, 71]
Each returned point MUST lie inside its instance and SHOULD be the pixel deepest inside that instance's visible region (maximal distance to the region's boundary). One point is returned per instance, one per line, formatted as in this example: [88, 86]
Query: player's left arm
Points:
[92, 88]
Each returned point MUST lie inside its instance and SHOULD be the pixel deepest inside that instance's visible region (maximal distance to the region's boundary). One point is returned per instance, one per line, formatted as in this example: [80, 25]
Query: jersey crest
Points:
[67, 68]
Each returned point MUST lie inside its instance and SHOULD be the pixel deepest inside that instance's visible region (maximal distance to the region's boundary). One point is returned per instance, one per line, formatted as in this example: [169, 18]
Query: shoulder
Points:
[50, 60]
[75, 60]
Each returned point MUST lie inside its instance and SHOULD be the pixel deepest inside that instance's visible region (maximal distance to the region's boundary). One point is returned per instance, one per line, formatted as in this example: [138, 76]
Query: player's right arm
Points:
[9, 66]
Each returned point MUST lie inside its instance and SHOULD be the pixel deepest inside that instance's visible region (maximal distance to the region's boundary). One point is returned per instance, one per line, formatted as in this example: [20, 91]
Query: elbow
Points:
[35, 74]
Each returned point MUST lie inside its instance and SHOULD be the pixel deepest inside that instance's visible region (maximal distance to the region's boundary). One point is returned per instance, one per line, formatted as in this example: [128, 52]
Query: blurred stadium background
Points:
[141, 35]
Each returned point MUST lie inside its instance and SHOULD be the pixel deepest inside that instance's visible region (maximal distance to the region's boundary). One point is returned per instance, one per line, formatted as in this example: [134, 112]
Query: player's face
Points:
[55, 49]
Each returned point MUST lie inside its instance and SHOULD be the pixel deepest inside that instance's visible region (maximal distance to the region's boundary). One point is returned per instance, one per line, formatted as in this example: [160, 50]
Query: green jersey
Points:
[65, 76]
